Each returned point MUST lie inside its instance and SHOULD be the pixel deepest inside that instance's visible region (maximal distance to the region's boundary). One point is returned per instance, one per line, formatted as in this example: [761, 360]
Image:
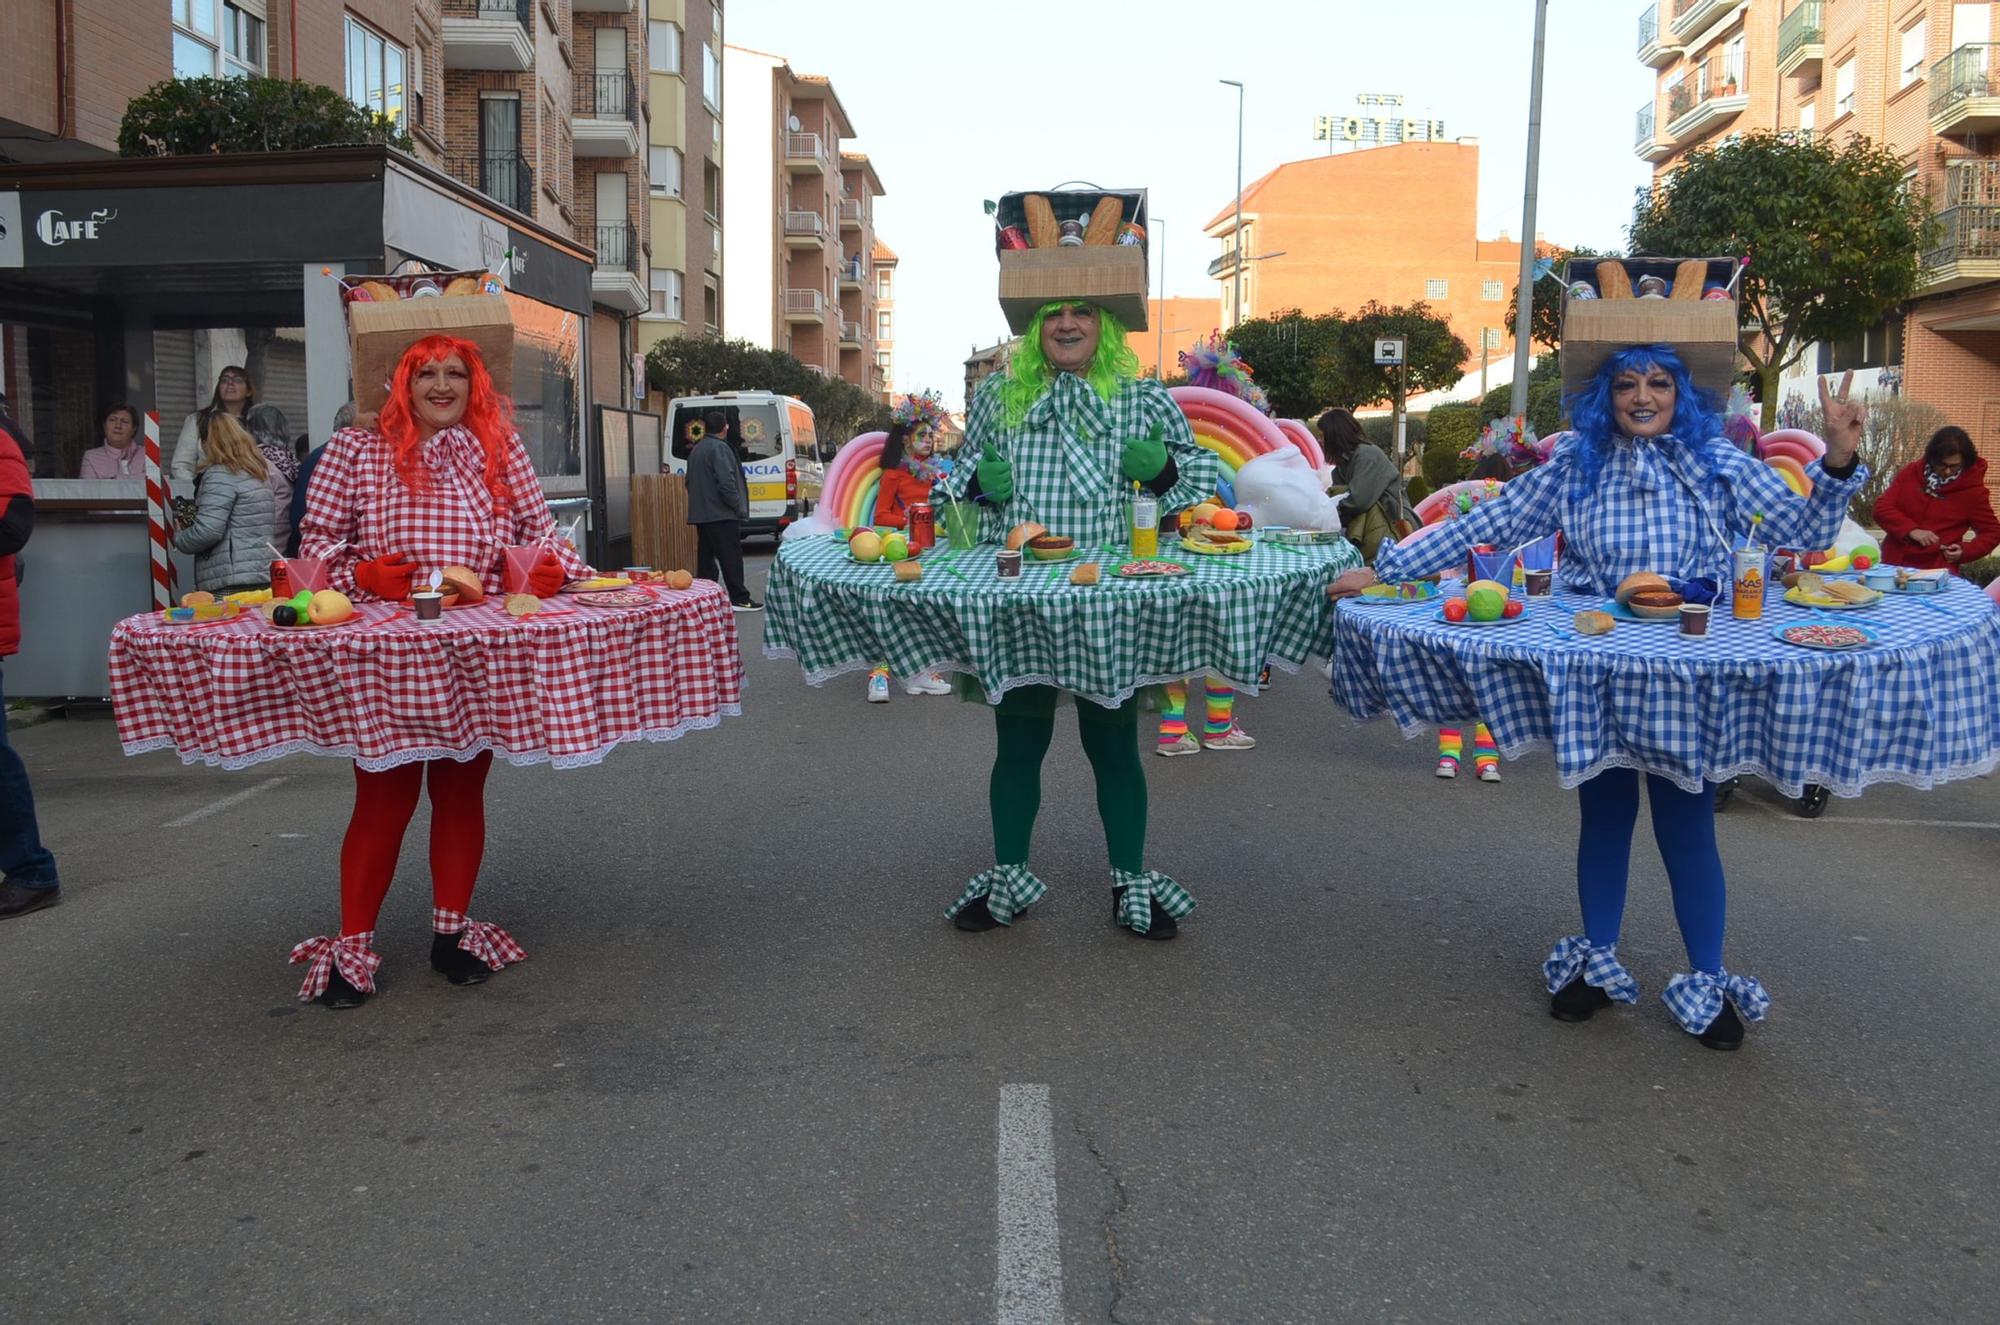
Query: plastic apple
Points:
[1243, 521]
[1513, 609]
[895, 548]
[1455, 610]
[866, 545]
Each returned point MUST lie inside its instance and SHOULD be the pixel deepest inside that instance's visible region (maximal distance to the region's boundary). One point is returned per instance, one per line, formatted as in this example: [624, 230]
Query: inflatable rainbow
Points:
[847, 493]
[1302, 437]
[1227, 426]
[1789, 451]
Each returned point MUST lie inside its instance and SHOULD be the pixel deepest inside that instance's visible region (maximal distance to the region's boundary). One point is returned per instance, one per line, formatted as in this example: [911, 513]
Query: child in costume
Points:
[910, 468]
[1059, 438]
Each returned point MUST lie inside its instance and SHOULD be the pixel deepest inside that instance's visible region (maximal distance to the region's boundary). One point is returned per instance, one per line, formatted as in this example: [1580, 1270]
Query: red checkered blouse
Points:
[357, 499]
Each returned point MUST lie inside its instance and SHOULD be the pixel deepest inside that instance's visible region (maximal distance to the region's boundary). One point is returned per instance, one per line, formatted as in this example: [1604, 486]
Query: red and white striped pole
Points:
[159, 509]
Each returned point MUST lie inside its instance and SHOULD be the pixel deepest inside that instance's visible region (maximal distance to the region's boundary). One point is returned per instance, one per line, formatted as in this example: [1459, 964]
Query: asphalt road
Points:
[751, 1074]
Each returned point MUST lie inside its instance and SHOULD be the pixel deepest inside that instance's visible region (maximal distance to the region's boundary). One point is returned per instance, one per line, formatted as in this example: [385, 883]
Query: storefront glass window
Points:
[548, 347]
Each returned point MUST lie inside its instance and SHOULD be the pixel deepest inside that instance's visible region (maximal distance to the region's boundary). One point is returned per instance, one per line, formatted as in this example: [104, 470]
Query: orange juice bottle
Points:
[1145, 524]
[1748, 599]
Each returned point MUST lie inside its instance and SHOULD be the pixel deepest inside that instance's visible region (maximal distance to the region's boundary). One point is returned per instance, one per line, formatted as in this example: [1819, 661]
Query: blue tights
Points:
[1684, 827]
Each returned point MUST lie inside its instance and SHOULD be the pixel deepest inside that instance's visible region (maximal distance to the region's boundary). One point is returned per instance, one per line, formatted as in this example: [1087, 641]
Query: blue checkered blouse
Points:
[1656, 505]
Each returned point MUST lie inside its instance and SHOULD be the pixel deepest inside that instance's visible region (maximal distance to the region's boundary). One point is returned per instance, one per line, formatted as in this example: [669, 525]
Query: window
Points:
[1843, 88]
[212, 36]
[1913, 52]
[374, 71]
[1494, 338]
[666, 284]
[1437, 289]
[663, 47]
[884, 287]
[1808, 116]
[1492, 292]
[416, 85]
[882, 326]
[664, 166]
[711, 77]
[711, 196]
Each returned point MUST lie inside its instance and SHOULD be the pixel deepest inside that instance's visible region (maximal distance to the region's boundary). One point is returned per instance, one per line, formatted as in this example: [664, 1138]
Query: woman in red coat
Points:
[1937, 511]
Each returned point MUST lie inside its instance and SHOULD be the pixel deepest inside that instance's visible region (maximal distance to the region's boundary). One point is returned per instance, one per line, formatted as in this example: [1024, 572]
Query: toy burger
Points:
[1036, 541]
[1647, 595]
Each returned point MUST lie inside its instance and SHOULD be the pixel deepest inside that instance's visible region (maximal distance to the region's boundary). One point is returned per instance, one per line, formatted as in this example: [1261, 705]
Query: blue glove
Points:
[996, 479]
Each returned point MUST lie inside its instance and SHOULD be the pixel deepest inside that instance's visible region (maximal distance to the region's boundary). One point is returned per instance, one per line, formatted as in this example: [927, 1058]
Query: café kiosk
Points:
[96, 257]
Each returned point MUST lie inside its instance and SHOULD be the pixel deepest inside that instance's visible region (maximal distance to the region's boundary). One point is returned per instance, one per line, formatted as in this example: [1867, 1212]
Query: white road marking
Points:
[1834, 821]
[1029, 1287]
[227, 802]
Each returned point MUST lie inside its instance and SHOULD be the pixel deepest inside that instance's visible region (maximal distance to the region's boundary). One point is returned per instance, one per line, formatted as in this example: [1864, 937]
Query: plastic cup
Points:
[961, 524]
[1007, 564]
[307, 573]
[1541, 583]
[429, 604]
[521, 561]
[1694, 618]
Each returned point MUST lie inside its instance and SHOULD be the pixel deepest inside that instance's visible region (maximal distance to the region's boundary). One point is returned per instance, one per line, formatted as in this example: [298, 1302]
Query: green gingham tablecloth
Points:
[1229, 615]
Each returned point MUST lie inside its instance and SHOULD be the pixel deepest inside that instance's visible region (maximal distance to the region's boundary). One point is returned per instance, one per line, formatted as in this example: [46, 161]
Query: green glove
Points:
[996, 479]
[1145, 458]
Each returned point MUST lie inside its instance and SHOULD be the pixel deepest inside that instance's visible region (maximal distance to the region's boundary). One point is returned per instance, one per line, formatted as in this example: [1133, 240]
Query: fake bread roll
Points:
[380, 292]
[1043, 232]
[461, 285]
[1018, 536]
[1594, 623]
[1104, 221]
[1613, 281]
[1085, 573]
[1690, 278]
[463, 582]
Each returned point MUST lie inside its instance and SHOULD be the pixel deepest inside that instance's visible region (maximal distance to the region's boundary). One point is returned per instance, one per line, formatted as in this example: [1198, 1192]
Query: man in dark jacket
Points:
[29, 870]
[718, 504]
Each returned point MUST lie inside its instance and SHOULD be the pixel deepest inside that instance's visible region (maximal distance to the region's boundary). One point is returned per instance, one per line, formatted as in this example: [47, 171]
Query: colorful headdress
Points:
[923, 411]
[1214, 364]
[1513, 440]
[1739, 420]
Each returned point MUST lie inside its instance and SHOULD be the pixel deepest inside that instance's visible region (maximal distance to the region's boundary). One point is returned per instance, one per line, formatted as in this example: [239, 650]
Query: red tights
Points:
[383, 804]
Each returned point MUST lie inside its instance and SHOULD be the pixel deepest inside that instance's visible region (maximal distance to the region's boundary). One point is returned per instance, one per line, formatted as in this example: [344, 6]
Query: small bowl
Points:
[1050, 553]
[1879, 578]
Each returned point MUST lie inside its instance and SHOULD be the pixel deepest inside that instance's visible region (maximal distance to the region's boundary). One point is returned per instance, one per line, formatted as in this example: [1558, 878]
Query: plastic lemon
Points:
[866, 545]
[1485, 600]
[895, 547]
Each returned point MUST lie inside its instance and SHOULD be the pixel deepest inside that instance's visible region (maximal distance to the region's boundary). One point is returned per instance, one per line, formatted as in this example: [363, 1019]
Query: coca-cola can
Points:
[923, 526]
[1013, 237]
[281, 581]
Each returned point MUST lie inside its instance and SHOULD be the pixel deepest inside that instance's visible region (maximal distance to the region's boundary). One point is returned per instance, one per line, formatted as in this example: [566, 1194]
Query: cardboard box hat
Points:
[1101, 270]
[381, 330]
[1698, 318]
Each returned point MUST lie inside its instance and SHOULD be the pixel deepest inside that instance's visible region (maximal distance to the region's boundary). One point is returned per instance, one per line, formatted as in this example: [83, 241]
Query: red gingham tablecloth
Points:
[563, 687]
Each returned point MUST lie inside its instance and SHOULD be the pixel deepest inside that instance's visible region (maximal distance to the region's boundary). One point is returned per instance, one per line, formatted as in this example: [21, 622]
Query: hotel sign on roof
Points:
[1377, 127]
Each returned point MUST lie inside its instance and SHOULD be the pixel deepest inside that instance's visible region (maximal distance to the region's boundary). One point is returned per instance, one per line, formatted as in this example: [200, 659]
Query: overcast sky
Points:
[958, 101]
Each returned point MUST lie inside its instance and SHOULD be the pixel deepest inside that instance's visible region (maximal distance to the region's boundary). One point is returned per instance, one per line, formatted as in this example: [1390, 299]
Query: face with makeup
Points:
[439, 391]
[1069, 337]
[1643, 401]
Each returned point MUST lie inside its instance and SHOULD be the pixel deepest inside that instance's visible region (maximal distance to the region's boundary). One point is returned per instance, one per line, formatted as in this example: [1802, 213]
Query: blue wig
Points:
[1697, 417]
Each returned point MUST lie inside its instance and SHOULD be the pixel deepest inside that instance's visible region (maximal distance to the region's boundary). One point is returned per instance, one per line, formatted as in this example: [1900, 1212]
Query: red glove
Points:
[388, 578]
[547, 577]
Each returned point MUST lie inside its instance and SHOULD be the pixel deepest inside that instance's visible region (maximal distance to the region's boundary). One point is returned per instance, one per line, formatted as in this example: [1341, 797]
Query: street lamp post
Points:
[1236, 277]
[1524, 306]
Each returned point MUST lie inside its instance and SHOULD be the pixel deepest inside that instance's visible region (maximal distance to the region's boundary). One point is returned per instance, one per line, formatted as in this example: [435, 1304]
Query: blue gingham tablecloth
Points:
[1919, 708]
[1229, 615]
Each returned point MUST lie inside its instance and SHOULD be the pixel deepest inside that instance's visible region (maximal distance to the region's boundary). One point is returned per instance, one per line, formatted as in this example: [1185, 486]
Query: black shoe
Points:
[455, 963]
[18, 899]
[1577, 1001]
[748, 605]
[1725, 1032]
[1724, 790]
[1163, 925]
[975, 918]
[1811, 805]
[340, 995]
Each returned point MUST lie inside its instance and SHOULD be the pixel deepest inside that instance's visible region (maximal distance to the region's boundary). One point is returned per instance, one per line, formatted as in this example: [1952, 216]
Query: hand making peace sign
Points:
[1843, 420]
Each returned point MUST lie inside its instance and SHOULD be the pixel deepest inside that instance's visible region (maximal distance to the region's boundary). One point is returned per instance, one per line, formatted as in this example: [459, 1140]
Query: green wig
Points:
[1028, 374]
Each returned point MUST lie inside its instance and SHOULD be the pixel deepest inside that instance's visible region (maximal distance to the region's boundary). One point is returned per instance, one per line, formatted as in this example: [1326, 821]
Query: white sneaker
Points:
[1490, 773]
[1447, 768]
[878, 689]
[1233, 739]
[1186, 745]
[926, 683]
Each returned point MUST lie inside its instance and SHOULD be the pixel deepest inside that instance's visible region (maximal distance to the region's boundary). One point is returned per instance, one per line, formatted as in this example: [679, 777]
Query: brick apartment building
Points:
[684, 170]
[1396, 224]
[801, 221]
[1173, 325]
[1922, 77]
[883, 323]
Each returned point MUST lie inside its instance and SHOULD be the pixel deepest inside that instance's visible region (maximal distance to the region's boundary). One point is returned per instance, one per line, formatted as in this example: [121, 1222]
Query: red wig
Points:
[489, 416]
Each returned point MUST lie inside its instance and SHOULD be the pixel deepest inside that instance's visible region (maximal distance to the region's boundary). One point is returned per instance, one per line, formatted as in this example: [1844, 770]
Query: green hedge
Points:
[204, 116]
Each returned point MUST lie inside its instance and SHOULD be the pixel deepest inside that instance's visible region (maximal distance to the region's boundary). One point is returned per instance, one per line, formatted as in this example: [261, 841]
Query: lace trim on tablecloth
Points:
[820, 676]
[383, 763]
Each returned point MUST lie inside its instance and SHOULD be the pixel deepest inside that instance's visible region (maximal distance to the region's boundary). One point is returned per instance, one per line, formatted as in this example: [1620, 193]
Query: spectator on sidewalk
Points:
[119, 453]
[342, 418]
[27, 867]
[718, 504]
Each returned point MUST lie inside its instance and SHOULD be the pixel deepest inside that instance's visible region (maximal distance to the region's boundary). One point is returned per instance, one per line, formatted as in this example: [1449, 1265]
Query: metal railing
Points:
[1684, 8]
[521, 11]
[850, 331]
[1965, 74]
[1649, 26]
[1717, 76]
[805, 301]
[618, 246]
[804, 147]
[1975, 183]
[1801, 27]
[608, 97]
[504, 177]
[850, 211]
[805, 223]
[854, 269]
[1967, 232]
[1648, 118]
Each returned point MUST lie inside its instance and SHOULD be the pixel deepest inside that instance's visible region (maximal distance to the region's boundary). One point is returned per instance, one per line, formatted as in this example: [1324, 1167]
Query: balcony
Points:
[1225, 263]
[850, 335]
[601, 6]
[1964, 96]
[1649, 144]
[607, 116]
[502, 176]
[490, 34]
[618, 280]
[850, 214]
[1802, 40]
[805, 230]
[1692, 16]
[1967, 251]
[1710, 95]
[805, 153]
[805, 306]
[853, 273]
[1656, 47]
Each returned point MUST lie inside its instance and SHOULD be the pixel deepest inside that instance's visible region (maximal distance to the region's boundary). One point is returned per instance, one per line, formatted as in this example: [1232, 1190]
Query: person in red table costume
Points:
[1937, 511]
[441, 481]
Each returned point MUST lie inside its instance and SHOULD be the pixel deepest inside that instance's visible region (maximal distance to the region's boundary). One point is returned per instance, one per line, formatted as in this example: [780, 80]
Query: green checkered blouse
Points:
[1068, 456]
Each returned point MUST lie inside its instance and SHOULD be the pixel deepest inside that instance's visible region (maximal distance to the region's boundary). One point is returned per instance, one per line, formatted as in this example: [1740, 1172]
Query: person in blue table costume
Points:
[1647, 482]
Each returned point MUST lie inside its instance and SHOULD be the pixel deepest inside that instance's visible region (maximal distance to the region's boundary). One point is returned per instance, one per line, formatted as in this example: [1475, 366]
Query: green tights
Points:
[1024, 721]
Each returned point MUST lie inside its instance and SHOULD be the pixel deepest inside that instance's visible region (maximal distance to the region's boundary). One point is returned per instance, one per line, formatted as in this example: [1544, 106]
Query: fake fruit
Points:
[1513, 609]
[284, 614]
[1454, 609]
[1242, 522]
[866, 545]
[1861, 561]
[301, 603]
[1223, 520]
[1205, 512]
[895, 547]
[329, 606]
[1485, 600]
